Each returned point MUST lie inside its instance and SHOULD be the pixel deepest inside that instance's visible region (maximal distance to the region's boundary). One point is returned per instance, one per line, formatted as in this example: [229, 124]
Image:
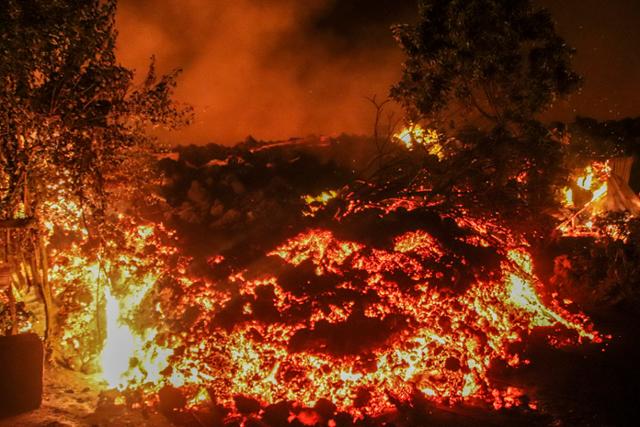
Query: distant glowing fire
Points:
[294, 329]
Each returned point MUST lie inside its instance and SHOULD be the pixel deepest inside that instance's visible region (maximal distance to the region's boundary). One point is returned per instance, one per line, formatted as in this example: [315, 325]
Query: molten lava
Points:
[444, 346]
[331, 318]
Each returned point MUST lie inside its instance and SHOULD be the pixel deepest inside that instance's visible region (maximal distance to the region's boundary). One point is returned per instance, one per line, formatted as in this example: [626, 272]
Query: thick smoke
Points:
[265, 68]
[281, 68]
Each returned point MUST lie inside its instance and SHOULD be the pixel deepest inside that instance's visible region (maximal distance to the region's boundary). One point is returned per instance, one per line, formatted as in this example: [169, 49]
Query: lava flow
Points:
[323, 318]
[358, 323]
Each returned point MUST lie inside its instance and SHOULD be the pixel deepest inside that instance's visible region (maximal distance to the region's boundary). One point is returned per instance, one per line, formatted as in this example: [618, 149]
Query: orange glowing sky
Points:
[281, 68]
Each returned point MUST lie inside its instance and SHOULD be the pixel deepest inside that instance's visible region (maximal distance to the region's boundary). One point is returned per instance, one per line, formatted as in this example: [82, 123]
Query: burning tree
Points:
[73, 123]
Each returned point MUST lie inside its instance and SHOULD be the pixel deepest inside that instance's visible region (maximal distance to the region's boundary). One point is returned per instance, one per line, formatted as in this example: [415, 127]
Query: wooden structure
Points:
[620, 197]
[7, 226]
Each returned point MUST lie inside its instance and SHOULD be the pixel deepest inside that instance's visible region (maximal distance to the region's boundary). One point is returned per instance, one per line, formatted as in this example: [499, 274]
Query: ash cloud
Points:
[270, 68]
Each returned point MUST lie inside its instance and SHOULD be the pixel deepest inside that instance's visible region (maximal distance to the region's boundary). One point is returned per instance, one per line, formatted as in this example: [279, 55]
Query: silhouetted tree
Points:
[501, 60]
[482, 71]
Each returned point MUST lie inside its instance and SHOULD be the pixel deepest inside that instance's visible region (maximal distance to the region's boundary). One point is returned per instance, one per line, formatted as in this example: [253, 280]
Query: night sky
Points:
[281, 68]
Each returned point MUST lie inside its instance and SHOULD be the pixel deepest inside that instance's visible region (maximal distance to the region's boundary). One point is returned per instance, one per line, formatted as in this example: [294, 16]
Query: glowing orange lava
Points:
[339, 320]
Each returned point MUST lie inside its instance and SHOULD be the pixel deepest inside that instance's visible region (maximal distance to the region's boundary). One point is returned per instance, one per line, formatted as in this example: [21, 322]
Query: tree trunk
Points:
[12, 310]
[40, 271]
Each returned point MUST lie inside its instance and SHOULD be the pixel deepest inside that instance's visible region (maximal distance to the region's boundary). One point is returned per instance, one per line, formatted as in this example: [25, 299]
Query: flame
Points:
[129, 358]
[315, 203]
[92, 286]
[568, 197]
[586, 181]
[415, 135]
[599, 192]
[593, 180]
[322, 198]
[120, 344]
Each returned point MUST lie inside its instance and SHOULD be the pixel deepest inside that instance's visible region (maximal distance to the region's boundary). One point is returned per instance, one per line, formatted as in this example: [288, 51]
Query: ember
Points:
[433, 267]
[440, 343]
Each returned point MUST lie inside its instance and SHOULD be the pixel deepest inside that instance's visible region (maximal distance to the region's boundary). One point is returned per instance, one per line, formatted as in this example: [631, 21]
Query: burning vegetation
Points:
[314, 281]
[427, 305]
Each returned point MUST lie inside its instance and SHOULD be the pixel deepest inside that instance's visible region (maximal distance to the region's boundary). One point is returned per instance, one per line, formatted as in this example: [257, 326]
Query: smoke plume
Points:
[270, 68]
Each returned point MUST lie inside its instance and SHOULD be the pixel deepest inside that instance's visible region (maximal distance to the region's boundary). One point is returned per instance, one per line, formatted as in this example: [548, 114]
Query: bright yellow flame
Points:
[128, 357]
[568, 197]
[594, 181]
[119, 346]
[601, 191]
[316, 203]
[585, 182]
[414, 135]
[322, 198]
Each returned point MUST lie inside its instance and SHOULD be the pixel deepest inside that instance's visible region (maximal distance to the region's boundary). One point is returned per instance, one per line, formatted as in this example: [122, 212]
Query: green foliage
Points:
[499, 58]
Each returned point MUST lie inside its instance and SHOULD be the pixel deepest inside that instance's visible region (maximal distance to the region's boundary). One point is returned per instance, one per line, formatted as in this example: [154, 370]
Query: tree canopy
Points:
[480, 72]
[73, 122]
[69, 110]
[500, 60]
